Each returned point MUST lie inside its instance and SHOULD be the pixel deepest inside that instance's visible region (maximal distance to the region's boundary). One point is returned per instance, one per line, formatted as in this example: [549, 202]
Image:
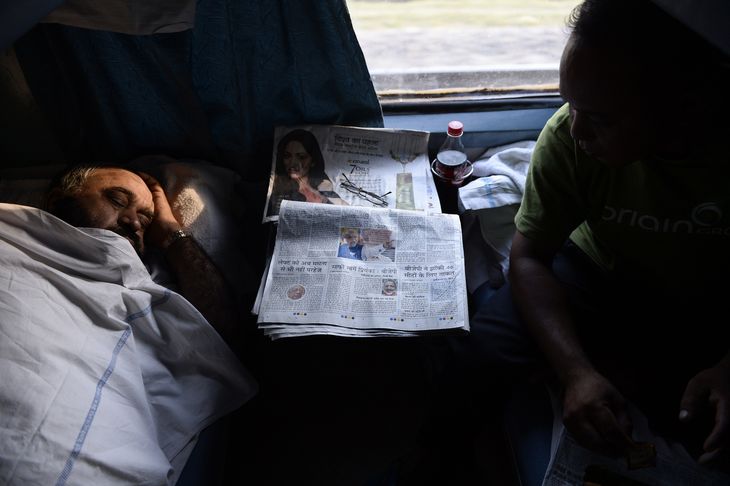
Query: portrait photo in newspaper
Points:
[367, 244]
[338, 165]
[295, 292]
[390, 287]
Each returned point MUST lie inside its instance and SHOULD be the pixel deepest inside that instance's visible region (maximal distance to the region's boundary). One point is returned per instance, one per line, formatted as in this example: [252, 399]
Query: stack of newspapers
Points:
[373, 256]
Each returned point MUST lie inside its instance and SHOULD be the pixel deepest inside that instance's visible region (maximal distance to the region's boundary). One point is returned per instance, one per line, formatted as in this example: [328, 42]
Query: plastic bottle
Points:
[451, 162]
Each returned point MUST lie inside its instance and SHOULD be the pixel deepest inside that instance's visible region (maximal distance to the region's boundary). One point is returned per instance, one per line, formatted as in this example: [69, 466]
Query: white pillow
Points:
[205, 199]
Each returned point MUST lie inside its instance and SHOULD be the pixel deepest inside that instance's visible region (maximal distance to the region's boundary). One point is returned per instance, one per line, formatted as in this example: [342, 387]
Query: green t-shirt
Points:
[666, 223]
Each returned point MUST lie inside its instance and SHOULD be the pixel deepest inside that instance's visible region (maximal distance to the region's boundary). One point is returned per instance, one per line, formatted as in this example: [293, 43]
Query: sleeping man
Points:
[135, 207]
[108, 377]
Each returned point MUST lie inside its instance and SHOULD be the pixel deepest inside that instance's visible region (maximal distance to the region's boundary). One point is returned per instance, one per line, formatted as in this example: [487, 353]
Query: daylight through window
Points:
[461, 49]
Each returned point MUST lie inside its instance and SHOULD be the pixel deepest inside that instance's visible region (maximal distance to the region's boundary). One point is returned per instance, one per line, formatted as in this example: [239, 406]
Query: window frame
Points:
[487, 122]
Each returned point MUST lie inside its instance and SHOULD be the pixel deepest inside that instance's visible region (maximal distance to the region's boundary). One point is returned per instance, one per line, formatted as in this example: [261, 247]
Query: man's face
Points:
[606, 117]
[297, 160]
[389, 287]
[296, 292]
[116, 200]
[351, 238]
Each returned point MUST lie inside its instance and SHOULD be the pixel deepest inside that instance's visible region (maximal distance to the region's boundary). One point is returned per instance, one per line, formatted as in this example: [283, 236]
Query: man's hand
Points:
[199, 279]
[710, 388]
[593, 410]
[595, 413]
[163, 224]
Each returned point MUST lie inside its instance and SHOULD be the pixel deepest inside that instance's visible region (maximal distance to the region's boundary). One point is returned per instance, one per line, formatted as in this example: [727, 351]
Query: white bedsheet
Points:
[488, 206]
[105, 376]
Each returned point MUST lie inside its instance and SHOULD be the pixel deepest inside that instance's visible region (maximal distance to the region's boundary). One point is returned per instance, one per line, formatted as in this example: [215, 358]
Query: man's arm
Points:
[593, 410]
[200, 281]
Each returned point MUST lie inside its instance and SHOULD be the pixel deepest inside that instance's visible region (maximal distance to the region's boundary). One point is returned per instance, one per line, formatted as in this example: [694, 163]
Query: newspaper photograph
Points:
[357, 271]
[351, 166]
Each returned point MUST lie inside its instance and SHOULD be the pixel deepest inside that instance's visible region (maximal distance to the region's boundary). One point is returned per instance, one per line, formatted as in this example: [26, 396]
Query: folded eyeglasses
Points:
[371, 197]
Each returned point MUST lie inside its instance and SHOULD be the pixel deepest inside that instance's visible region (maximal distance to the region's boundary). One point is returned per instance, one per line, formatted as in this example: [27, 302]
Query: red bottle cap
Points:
[456, 128]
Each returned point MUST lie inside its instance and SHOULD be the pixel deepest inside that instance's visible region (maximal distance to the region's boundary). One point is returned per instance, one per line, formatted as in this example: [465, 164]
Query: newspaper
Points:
[357, 271]
[570, 463]
[338, 165]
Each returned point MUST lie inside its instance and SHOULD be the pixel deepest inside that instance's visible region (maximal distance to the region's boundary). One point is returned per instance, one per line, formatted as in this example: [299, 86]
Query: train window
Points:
[461, 50]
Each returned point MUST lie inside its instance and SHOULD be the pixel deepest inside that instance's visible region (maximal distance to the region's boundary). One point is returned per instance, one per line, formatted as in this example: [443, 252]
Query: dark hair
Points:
[678, 73]
[657, 41]
[311, 145]
[283, 184]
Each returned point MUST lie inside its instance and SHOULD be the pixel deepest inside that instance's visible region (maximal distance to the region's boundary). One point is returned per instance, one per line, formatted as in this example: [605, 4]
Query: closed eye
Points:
[118, 198]
[144, 219]
[122, 198]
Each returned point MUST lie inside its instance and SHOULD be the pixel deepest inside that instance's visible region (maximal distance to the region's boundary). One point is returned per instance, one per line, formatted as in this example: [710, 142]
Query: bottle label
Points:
[450, 165]
[451, 158]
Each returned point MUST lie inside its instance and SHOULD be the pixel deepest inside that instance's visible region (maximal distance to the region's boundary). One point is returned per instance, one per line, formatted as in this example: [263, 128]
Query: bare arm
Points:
[200, 281]
[593, 410]
[328, 191]
[310, 193]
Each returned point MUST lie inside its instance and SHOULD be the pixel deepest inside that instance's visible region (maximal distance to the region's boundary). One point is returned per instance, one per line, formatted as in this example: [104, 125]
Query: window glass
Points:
[461, 49]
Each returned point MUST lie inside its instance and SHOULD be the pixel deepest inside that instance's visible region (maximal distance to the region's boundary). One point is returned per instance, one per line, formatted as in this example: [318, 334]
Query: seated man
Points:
[98, 357]
[619, 266]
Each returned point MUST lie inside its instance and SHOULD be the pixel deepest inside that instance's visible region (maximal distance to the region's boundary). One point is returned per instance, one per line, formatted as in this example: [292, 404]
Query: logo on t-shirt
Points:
[705, 219]
[707, 214]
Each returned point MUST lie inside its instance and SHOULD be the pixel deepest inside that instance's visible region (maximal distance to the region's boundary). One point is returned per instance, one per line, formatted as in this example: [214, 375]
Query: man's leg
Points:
[499, 343]
[498, 365]
[647, 343]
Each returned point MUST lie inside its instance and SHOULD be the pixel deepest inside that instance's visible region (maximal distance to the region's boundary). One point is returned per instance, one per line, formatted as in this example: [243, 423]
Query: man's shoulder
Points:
[555, 148]
[558, 125]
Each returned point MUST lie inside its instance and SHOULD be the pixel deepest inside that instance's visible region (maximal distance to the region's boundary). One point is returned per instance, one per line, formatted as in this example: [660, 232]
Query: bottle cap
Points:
[456, 128]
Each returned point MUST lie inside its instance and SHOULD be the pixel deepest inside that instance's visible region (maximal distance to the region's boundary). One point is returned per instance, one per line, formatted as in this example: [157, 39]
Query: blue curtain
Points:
[214, 93]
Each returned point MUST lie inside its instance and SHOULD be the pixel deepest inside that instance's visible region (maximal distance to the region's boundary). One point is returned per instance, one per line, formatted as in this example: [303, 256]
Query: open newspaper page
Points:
[351, 166]
[355, 271]
[671, 465]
